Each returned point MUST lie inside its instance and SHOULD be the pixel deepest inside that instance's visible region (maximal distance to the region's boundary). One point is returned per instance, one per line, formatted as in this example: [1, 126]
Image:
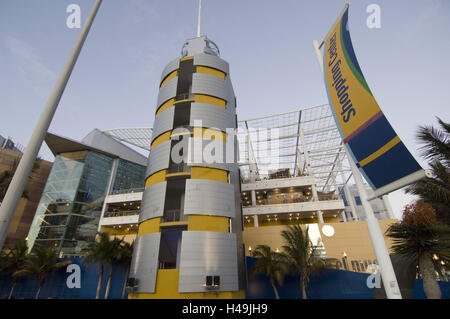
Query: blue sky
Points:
[267, 43]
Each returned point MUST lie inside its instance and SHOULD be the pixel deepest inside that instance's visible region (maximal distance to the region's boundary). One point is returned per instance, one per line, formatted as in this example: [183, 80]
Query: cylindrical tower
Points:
[189, 243]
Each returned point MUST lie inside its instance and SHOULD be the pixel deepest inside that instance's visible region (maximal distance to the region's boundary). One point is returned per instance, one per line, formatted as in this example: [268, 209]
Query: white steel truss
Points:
[307, 143]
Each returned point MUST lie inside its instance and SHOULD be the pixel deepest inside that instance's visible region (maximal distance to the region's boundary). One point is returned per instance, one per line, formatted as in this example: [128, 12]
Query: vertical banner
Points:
[376, 149]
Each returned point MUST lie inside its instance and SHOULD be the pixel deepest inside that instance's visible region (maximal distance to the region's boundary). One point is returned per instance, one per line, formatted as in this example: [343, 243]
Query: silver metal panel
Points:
[153, 202]
[211, 85]
[212, 116]
[163, 122]
[159, 158]
[205, 253]
[212, 61]
[144, 264]
[207, 197]
[168, 91]
[197, 154]
[170, 67]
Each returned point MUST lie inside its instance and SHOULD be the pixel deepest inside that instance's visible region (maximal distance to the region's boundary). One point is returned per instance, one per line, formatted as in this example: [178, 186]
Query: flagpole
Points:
[26, 163]
[376, 236]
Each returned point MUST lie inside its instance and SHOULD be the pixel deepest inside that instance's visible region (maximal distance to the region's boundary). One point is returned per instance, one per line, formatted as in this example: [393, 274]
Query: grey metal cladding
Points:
[168, 91]
[211, 116]
[207, 197]
[170, 67]
[163, 122]
[144, 264]
[197, 154]
[159, 158]
[153, 201]
[210, 85]
[205, 253]
[212, 61]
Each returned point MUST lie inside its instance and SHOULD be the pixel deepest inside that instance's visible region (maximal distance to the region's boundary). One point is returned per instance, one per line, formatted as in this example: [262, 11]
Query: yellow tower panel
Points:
[208, 223]
[165, 105]
[162, 138]
[211, 71]
[209, 173]
[149, 226]
[155, 178]
[202, 98]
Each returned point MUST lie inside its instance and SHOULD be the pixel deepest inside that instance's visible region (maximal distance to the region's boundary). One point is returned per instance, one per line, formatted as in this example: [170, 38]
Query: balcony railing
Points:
[122, 213]
[127, 191]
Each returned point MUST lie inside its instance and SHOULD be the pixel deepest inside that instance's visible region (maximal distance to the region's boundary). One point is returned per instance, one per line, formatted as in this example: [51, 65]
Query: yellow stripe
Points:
[185, 100]
[169, 77]
[149, 226]
[380, 152]
[187, 58]
[209, 173]
[202, 98]
[162, 138]
[180, 223]
[208, 223]
[207, 70]
[165, 105]
[155, 178]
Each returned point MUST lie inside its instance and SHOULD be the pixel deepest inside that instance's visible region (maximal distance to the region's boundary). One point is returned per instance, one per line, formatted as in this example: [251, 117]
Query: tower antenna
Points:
[199, 16]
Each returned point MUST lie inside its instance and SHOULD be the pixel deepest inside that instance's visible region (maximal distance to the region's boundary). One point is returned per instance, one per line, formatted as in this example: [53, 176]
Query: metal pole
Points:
[348, 194]
[199, 17]
[23, 171]
[379, 246]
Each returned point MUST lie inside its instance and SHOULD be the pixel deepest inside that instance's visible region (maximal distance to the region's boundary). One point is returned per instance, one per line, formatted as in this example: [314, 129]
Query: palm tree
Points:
[301, 254]
[270, 264]
[41, 263]
[420, 236]
[435, 190]
[115, 247]
[101, 251]
[126, 254]
[15, 259]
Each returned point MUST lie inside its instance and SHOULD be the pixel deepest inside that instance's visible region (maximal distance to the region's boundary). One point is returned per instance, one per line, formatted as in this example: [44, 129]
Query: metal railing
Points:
[122, 213]
[127, 191]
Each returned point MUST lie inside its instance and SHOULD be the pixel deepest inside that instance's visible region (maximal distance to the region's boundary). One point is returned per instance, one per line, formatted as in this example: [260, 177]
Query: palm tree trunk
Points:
[38, 292]
[430, 285]
[125, 283]
[108, 284]
[274, 289]
[12, 290]
[302, 284]
[100, 281]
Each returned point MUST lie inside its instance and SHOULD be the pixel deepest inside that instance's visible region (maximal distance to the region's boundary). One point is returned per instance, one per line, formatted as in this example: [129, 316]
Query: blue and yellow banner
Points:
[378, 152]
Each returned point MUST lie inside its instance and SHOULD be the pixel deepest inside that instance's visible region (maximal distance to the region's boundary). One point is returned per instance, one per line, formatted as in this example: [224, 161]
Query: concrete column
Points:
[255, 221]
[253, 195]
[344, 217]
[314, 193]
[320, 216]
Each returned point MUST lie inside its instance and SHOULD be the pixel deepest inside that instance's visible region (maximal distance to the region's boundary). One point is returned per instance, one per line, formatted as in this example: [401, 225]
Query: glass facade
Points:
[129, 178]
[69, 211]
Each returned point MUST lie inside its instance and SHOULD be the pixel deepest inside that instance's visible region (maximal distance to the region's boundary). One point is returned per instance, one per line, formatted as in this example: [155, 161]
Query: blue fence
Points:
[334, 284]
[56, 284]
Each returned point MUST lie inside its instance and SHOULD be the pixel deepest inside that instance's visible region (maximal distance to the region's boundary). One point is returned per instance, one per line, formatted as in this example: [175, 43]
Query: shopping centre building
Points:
[313, 196]
[193, 222]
